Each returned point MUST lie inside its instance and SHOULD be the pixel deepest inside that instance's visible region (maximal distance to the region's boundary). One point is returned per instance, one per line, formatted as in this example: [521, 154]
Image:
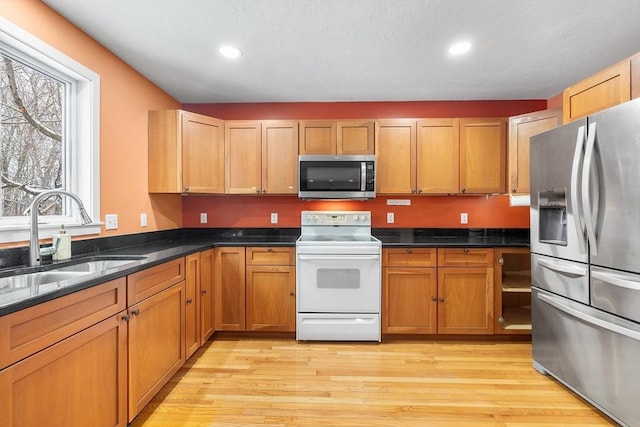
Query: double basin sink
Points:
[28, 282]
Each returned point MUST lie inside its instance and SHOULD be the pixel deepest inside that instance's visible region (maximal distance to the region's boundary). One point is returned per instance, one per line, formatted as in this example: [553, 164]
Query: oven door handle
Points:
[338, 257]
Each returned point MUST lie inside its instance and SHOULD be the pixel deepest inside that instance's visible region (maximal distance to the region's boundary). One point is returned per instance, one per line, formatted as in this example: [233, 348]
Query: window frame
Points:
[82, 123]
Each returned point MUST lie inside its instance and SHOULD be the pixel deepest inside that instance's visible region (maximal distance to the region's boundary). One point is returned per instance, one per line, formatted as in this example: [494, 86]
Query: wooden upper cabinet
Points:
[317, 137]
[605, 89]
[336, 137]
[635, 76]
[355, 137]
[261, 157]
[395, 143]
[280, 157]
[186, 153]
[521, 128]
[482, 155]
[438, 154]
[243, 157]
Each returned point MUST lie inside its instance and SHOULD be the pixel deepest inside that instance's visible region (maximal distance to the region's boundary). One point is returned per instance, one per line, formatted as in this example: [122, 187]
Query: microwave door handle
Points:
[586, 194]
[575, 206]
[363, 176]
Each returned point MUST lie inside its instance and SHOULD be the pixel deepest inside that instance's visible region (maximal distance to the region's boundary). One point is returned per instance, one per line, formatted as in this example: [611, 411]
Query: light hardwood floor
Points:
[279, 382]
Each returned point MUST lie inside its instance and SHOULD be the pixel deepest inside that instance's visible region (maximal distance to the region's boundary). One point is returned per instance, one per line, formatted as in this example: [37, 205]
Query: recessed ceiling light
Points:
[459, 48]
[230, 51]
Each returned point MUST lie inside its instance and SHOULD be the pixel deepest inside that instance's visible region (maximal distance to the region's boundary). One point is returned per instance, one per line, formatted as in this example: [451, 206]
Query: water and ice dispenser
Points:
[552, 205]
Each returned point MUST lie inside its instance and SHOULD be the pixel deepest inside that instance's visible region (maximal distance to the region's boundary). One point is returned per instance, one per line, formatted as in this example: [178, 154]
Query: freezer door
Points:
[567, 278]
[556, 168]
[616, 292]
[615, 199]
[592, 352]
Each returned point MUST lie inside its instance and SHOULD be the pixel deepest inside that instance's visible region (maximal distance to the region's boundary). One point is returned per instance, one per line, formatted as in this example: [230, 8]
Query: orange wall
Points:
[126, 96]
[425, 211]
[366, 110]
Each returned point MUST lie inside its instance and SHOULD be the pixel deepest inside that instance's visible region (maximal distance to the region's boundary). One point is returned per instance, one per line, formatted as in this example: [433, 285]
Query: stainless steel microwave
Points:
[337, 177]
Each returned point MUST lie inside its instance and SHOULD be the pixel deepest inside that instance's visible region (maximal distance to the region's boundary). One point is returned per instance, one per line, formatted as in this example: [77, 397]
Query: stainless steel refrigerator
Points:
[585, 244]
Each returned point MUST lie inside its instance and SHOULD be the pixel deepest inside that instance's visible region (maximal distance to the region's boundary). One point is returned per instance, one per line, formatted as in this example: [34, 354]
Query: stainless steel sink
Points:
[49, 278]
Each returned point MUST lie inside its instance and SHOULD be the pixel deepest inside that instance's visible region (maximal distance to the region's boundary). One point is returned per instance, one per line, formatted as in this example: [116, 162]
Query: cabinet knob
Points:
[441, 299]
[186, 189]
[419, 191]
[514, 190]
[291, 294]
[464, 190]
[135, 312]
[501, 261]
[269, 249]
[125, 317]
[409, 250]
[264, 191]
[466, 251]
[190, 300]
[434, 299]
[204, 291]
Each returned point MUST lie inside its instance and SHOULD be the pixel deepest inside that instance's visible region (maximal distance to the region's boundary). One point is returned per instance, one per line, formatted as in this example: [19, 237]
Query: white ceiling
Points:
[361, 50]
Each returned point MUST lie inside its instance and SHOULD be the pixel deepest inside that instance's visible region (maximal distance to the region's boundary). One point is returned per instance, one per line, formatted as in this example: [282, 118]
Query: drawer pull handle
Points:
[190, 300]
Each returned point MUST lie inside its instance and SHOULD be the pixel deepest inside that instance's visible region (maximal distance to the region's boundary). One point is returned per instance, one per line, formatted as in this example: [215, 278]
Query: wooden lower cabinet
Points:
[206, 295]
[79, 381]
[255, 289]
[465, 300]
[512, 270]
[409, 300]
[456, 297]
[192, 304]
[156, 344]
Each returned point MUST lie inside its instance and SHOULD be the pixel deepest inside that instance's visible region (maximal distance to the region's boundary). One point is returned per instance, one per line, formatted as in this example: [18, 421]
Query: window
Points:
[49, 113]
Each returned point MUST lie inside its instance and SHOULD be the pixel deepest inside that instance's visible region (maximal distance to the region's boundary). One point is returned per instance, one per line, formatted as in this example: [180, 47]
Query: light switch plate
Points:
[111, 221]
[203, 218]
[143, 220]
[390, 218]
[464, 218]
[274, 217]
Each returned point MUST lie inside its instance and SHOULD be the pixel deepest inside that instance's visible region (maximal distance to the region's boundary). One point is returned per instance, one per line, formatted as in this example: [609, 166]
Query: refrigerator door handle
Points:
[553, 301]
[586, 193]
[575, 206]
[563, 268]
[615, 280]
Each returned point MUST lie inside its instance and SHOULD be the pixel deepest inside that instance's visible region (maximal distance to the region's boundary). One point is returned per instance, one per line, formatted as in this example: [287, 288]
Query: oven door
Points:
[338, 283]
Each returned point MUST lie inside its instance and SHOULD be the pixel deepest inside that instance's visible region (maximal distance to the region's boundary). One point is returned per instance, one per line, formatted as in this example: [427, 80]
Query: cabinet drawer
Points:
[28, 331]
[270, 256]
[409, 257]
[465, 257]
[148, 282]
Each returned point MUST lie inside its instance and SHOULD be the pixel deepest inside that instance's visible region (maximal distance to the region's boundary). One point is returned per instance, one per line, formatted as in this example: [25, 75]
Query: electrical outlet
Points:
[464, 218]
[111, 221]
[143, 220]
[203, 218]
[390, 218]
[274, 217]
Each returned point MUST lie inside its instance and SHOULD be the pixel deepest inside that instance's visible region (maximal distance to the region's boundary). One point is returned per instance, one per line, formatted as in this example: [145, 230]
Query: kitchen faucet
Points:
[35, 253]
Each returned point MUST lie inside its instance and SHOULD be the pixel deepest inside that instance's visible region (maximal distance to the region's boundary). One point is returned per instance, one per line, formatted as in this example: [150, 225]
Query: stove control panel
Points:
[336, 218]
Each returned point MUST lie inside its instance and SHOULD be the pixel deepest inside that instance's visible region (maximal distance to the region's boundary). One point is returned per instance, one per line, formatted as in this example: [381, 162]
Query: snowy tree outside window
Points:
[31, 143]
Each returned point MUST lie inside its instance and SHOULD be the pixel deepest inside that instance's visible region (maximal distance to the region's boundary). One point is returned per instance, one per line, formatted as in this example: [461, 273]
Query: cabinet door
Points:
[156, 344]
[395, 152]
[79, 381]
[482, 155]
[206, 295]
[635, 76]
[229, 289]
[280, 157]
[605, 89]
[271, 301]
[438, 154]
[465, 300]
[243, 153]
[409, 300]
[317, 137]
[521, 128]
[192, 304]
[202, 154]
[355, 137]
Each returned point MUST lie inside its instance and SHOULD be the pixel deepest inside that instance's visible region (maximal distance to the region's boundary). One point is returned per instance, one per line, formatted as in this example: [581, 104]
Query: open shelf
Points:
[516, 318]
[516, 281]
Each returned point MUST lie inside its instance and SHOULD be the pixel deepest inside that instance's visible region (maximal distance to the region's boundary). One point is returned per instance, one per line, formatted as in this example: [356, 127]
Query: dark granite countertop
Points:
[162, 246]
